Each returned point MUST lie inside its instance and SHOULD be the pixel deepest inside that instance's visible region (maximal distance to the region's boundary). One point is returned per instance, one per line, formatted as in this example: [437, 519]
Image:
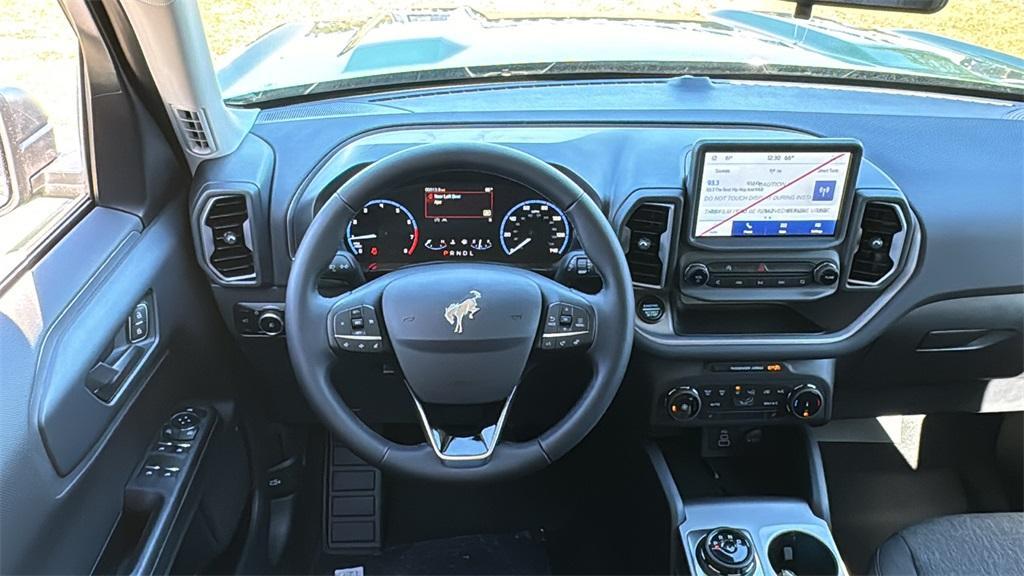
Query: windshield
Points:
[283, 49]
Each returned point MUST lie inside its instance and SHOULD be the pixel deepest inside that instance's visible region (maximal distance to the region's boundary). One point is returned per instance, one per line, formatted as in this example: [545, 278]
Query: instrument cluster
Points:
[458, 216]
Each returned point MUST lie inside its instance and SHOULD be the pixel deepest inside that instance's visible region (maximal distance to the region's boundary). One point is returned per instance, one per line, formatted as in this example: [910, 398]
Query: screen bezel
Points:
[694, 180]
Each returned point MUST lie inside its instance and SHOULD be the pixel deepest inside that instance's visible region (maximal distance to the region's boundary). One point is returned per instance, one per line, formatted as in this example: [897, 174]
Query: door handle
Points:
[107, 376]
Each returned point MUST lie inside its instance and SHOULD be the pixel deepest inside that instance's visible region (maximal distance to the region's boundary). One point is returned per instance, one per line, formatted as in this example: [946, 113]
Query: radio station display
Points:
[771, 193]
[465, 219]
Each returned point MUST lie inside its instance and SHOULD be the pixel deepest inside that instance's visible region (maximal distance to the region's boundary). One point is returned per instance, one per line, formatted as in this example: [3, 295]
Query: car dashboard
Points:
[781, 238]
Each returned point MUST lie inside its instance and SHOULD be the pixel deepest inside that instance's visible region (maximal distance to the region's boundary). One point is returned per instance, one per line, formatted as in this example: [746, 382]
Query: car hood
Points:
[299, 56]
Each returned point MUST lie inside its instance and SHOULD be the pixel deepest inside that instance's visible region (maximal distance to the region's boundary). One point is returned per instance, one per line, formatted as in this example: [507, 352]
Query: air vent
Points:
[881, 241]
[227, 242]
[648, 246]
[195, 131]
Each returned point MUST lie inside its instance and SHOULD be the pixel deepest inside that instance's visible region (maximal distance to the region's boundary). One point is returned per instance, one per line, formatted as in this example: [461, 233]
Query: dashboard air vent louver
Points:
[646, 254]
[195, 131]
[230, 252]
[880, 229]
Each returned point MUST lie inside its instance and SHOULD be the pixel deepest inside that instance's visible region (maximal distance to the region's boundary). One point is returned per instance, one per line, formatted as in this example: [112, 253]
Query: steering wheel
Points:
[462, 332]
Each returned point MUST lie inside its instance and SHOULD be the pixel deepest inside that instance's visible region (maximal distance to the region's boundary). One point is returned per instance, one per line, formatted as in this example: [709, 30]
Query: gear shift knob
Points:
[726, 552]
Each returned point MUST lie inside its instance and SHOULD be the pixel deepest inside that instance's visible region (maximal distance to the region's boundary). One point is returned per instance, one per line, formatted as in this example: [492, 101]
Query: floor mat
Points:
[873, 494]
[519, 553]
[877, 488]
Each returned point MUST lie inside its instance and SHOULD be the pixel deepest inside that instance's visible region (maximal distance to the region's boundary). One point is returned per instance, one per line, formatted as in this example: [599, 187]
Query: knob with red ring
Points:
[805, 401]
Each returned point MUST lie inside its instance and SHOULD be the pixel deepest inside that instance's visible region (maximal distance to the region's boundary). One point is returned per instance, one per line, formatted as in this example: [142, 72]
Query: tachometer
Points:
[383, 229]
[534, 231]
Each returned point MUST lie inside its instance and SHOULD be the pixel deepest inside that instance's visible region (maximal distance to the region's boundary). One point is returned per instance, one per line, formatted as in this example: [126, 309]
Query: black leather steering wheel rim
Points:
[309, 340]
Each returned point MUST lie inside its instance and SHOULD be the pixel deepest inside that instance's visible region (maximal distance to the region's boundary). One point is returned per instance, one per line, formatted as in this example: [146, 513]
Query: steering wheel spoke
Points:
[463, 445]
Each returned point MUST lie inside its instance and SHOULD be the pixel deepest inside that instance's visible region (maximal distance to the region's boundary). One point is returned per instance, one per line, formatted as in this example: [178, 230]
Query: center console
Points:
[760, 508]
[780, 249]
[751, 536]
[777, 253]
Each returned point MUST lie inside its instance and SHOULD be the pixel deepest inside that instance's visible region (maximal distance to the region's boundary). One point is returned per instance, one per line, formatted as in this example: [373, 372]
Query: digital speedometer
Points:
[534, 230]
[383, 230]
[458, 216]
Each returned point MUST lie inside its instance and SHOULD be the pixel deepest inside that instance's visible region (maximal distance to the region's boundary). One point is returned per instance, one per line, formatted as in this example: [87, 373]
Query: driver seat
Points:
[962, 544]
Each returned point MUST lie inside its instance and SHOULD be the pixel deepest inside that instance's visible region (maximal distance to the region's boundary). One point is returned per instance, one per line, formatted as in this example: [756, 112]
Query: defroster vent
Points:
[195, 130]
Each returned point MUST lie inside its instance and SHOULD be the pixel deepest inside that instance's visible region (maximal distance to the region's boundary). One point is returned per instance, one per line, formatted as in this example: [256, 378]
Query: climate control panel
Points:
[744, 402]
[744, 393]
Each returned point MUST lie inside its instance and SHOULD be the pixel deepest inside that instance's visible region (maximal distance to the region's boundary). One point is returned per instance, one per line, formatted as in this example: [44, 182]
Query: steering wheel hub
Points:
[462, 332]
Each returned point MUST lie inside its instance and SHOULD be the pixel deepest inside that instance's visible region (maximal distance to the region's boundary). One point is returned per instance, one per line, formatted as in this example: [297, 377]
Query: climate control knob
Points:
[696, 274]
[682, 403]
[826, 274]
[806, 401]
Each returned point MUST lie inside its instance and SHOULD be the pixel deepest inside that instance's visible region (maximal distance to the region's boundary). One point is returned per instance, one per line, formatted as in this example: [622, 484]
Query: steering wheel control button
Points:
[357, 329]
[683, 404]
[696, 274]
[565, 326]
[727, 552]
[580, 265]
[650, 309]
[806, 401]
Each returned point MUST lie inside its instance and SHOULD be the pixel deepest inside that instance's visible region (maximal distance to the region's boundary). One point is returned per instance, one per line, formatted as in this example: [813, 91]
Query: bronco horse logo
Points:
[456, 311]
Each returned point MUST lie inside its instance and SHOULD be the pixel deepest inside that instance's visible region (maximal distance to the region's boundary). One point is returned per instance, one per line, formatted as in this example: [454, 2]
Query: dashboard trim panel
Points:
[315, 178]
[358, 151]
[786, 346]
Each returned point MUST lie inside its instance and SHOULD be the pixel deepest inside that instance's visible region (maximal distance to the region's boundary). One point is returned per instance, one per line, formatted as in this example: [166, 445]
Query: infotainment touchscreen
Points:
[771, 193]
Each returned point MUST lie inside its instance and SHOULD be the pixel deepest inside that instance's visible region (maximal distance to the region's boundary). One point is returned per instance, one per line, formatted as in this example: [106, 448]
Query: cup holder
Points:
[801, 554]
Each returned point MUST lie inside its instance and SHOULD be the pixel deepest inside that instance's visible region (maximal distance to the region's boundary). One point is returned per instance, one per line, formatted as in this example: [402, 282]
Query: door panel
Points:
[65, 455]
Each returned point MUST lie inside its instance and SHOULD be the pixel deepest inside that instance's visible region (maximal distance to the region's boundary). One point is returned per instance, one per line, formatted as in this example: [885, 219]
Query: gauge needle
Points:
[519, 246]
[364, 237]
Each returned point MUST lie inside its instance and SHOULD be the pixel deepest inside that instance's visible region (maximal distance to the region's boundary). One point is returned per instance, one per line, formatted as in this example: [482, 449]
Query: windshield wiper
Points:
[598, 70]
[402, 79]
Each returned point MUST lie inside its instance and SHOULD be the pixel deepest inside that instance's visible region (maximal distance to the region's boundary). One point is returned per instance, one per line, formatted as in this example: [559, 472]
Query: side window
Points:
[42, 169]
